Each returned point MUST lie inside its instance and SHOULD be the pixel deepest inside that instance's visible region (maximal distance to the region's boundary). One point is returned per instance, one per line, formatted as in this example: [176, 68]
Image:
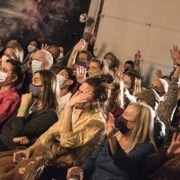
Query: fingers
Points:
[178, 137]
[14, 157]
[85, 96]
[81, 70]
[44, 46]
[174, 137]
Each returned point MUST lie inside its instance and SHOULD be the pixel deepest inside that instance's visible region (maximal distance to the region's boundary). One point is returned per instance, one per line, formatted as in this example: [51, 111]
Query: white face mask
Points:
[36, 65]
[60, 80]
[31, 48]
[3, 77]
[108, 62]
[4, 58]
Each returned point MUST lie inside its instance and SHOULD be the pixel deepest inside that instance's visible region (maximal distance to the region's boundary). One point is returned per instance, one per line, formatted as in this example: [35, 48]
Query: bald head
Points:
[160, 85]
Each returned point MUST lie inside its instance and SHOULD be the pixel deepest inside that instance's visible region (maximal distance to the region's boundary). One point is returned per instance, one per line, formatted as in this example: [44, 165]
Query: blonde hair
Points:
[18, 52]
[144, 126]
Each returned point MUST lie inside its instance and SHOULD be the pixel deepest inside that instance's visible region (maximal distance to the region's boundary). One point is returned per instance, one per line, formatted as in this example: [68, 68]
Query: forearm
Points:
[112, 144]
[67, 120]
[176, 72]
[71, 59]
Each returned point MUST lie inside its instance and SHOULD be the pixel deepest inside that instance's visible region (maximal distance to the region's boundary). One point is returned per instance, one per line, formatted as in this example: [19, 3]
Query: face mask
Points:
[3, 77]
[60, 80]
[36, 65]
[108, 62]
[35, 90]
[31, 48]
[4, 58]
[94, 74]
[122, 125]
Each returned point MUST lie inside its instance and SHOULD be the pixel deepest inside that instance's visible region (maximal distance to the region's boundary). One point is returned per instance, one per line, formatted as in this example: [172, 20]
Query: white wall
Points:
[151, 26]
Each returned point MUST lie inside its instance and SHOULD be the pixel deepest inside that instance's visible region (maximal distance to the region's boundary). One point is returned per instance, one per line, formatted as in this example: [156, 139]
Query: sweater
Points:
[120, 166]
[32, 126]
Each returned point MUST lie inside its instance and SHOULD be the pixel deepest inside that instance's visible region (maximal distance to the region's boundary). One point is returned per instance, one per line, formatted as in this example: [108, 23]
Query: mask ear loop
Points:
[32, 106]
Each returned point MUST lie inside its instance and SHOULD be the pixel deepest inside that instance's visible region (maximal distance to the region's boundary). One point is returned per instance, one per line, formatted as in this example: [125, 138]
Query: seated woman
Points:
[35, 114]
[69, 141]
[11, 75]
[124, 151]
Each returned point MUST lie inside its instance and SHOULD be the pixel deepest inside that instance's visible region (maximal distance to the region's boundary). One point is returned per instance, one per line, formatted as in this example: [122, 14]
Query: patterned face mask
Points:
[94, 74]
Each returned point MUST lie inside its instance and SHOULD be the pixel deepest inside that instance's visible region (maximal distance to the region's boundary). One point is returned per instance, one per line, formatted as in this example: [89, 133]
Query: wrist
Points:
[177, 65]
[22, 110]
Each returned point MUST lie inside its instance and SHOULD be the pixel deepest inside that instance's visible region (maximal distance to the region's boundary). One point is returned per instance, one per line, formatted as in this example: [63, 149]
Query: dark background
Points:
[50, 21]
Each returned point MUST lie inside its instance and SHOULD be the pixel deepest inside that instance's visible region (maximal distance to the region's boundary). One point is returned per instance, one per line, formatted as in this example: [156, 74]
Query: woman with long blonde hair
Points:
[124, 151]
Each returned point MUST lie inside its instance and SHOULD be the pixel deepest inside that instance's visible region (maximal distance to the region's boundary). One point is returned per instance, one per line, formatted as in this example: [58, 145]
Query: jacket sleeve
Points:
[36, 125]
[84, 135]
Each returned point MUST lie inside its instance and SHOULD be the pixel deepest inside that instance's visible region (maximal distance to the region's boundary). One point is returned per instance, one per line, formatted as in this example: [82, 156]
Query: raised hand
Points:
[44, 46]
[174, 147]
[159, 73]
[109, 125]
[81, 45]
[137, 56]
[174, 53]
[79, 97]
[81, 74]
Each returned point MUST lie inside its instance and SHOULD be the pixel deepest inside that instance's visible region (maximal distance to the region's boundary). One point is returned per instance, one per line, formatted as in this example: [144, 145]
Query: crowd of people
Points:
[78, 116]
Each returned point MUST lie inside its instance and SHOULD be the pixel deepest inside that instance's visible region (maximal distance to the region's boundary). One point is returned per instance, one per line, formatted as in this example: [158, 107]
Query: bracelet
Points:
[72, 57]
[22, 110]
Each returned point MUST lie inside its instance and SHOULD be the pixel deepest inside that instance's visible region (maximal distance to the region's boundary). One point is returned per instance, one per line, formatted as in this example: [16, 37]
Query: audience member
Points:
[66, 81]
[151, 98]
[11, 76]
[71, 140]
[37, 112]
[123, 152]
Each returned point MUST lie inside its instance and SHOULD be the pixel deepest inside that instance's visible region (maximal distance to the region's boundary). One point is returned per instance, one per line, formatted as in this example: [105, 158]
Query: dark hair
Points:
[133, 74]
[99, 85]
[37, 42]
[17, 69]
[89, 54]
[57, 52]
[130, 62]
[113, 99]
[99, 61]
[170, 169]
[71, 76]
[49, 95]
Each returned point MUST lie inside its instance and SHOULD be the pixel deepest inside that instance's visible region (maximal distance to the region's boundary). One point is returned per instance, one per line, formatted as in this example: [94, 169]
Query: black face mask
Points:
[122, 125]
